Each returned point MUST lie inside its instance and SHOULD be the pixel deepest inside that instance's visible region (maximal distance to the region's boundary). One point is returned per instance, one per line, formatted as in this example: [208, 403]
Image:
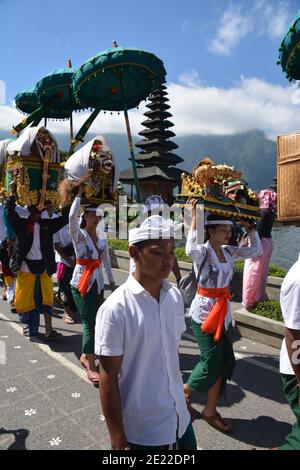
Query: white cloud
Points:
[190, 78]
[197, 109]
[277, 18]
[263, 18]
[233, 27]
[250, 104]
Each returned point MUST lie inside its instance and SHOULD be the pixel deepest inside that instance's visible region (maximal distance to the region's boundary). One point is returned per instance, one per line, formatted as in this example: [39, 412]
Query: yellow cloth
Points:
[8, 280]
[24, 296]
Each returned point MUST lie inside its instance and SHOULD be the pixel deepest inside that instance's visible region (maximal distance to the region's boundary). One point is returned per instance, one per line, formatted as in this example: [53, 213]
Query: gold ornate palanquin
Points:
[27, 172]
[214, 201]
[101, 190]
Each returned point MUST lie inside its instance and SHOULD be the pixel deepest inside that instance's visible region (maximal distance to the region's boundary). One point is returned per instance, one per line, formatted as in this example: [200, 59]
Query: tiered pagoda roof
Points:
[156, 157]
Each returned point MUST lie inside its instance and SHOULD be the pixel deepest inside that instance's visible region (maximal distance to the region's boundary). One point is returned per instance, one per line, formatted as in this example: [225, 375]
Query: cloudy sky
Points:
[220, 57]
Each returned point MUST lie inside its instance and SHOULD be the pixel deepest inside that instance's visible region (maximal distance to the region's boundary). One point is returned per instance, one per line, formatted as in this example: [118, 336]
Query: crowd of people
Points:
[135, 332]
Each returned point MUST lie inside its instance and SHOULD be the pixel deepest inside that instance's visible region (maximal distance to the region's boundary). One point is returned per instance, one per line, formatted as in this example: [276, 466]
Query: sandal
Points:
[68, 319]
[53, 336]
[26, 331]
[58, 300]
[85, 363]
[94, 378]
[217, 422]
[192, 411]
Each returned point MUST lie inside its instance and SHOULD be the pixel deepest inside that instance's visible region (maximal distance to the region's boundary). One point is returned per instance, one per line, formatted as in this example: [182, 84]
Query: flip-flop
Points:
[53, 336]
[193, 412]
[84, 365]
[94, 380]
[68, 320]
[217, 422]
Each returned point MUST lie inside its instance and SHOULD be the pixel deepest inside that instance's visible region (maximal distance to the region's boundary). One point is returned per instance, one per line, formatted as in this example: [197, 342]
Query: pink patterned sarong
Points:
[256, 275]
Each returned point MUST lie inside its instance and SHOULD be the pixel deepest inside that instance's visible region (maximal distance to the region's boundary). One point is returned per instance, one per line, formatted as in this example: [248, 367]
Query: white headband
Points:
[98, 210]
[219, 222]
[154, 228]
[90, 209]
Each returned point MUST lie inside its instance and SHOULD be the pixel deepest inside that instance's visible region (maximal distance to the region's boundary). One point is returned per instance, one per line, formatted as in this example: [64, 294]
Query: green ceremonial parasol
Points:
[27, 101]
[289, 51]
[52, 97]
[116, 80]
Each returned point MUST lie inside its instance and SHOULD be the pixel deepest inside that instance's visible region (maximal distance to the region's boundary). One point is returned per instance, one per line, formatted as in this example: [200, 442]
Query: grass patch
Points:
[123, 246]
[268, 309]
[274, 270]
[118, 244]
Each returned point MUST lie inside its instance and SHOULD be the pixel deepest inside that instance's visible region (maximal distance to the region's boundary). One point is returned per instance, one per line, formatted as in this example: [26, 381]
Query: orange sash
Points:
[90, 266]
[213, 325]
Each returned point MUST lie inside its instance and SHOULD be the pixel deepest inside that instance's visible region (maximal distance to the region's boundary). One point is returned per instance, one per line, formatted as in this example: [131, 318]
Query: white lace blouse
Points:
[84, 248]
[213, 273]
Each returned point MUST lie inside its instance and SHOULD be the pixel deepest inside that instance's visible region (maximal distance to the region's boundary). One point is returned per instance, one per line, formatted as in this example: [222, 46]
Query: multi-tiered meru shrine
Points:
[156, 161]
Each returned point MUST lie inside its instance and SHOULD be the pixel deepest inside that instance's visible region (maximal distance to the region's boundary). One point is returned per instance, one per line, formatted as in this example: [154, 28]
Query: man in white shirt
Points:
[33, 261]
[48, 212]
[290, 351]
[138, 330]
[65, 262]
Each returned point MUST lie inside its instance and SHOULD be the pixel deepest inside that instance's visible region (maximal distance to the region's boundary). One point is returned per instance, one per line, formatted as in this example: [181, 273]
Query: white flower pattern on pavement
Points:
[76, 395]
[33, 361]
[102, 418]
[55, 441]
[51, 376]
[4, 336]
[30, 412]
[11, 389]
[17, 347]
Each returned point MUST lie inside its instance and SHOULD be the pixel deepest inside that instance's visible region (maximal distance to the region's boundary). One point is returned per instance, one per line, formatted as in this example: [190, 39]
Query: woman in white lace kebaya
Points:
[210, 309]
[87, 283]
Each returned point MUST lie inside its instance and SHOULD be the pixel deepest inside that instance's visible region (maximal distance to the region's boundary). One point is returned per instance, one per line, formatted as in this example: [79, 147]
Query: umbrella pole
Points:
[132, 158]
[130, 145]
[45, 122]
[71, 127]
[83, 130]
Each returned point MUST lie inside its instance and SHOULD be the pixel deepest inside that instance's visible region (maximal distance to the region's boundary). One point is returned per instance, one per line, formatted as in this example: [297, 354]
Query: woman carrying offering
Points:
[210, 309]
[88, 281]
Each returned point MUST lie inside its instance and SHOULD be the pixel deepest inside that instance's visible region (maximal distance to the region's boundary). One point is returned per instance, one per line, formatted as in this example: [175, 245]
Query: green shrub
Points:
[123, 246]
[269, 309]
[118, 244]
[277, 271]
[181, 256]
[239, 265]
[274, 270]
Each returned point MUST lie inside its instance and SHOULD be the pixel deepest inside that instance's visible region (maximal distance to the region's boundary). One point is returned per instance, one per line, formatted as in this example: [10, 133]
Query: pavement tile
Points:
[75, 395]
[91, 418]
[30, 412]
[60, 434]
[14, 389]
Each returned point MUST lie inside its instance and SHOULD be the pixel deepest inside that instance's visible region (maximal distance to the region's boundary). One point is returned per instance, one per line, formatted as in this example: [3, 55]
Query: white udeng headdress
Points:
[154, 228]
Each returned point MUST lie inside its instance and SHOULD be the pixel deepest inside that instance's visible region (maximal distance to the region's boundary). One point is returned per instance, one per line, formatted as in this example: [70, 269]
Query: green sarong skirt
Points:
[216, 360]
[291, 391]
[88, 307]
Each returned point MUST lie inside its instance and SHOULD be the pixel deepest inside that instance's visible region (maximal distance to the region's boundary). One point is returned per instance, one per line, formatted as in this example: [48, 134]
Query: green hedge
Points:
[118, 244]
[274, 270]
[122, 245]
[269, 309]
